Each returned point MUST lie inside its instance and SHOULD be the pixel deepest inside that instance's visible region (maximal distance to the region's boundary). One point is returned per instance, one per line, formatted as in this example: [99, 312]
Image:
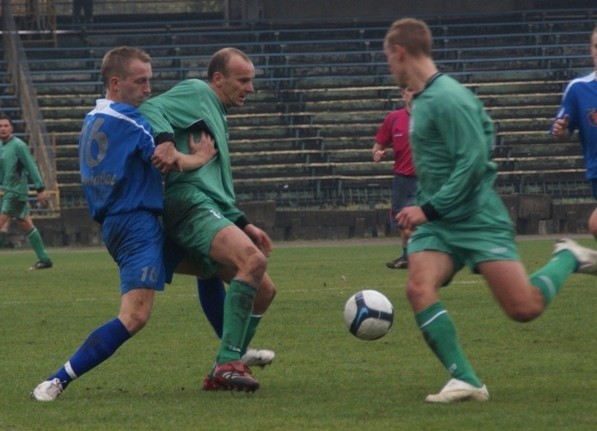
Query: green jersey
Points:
[18, 167]
[186, 108]
[451, 137]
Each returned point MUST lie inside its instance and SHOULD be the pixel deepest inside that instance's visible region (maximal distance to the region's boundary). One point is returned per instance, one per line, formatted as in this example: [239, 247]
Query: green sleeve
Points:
[461, 123]
[174, 109]
[25, 157]
[156, 118]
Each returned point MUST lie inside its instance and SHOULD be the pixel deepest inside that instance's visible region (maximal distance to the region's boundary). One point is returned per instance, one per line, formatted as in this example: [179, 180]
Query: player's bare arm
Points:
[167, 158]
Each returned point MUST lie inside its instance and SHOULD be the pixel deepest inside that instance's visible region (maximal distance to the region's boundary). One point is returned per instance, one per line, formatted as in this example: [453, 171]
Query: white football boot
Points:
[587, 258]
[457, 390]
[48, 390]
[258, 357]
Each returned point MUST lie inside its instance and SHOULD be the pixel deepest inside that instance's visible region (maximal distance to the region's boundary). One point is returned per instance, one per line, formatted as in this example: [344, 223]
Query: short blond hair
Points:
[412, 34]
[116, 61]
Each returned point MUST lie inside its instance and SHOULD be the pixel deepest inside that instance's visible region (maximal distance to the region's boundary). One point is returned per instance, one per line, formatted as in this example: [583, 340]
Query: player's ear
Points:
[113, 82]
[400, 52]
[218, 79]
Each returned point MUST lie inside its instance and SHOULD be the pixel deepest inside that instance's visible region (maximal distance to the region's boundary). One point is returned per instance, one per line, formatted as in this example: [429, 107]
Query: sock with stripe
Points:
[550, 279]
[37, 244]
[99, 346]
[440, 334]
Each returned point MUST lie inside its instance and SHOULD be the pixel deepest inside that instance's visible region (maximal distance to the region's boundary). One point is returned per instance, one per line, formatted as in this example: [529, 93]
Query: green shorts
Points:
[14, 205]
[192, 220]
[485, 236]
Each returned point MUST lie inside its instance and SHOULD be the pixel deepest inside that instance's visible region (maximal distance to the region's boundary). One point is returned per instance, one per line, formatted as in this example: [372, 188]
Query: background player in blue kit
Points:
[579, 112]
[124, 193]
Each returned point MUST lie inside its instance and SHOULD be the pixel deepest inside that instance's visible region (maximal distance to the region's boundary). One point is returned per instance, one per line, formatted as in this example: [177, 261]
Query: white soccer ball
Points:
[368, 314]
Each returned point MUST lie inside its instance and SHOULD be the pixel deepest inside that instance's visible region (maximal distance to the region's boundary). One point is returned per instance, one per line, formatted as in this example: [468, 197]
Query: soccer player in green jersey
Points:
[17, 168]
[201, 215]
[459, 219]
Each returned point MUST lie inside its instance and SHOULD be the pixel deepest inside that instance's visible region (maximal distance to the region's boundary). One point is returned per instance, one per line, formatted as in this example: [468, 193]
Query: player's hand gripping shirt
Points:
[189, 106]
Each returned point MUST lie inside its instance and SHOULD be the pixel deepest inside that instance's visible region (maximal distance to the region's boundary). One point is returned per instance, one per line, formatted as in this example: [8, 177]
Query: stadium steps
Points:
[287, 143]
[322, 92]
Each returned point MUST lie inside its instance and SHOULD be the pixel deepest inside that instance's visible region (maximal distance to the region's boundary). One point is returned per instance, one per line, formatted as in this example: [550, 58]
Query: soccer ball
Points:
[368, 315]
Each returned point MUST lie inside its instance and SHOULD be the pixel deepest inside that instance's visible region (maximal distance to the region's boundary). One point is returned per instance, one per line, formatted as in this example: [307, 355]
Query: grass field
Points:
[541, 375]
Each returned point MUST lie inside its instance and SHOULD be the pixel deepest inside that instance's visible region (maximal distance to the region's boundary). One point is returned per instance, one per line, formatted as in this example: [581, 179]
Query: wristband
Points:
[242, 222]
[430, 212]
[160, 138]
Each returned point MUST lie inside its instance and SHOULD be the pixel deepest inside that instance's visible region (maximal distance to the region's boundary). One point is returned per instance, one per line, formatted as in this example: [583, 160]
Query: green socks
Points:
[550, 279]
[37, 244]
[238, 306]
[251, 330]
[440, 334]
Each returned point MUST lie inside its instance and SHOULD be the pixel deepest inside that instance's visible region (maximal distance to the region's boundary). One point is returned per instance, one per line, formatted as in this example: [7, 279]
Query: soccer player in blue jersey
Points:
[460, 220]
[124, 193]
[579, 112]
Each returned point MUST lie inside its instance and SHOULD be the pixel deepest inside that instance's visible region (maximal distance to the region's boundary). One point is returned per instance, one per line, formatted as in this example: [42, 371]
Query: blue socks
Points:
[211, 297]
[99, 346]
[106, 339]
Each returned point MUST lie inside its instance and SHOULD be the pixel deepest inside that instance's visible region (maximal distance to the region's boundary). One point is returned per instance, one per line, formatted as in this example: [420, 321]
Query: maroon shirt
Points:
[394, 130]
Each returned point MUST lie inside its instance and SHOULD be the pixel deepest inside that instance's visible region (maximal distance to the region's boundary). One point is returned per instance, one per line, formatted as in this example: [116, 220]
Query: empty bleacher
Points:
[304, 138]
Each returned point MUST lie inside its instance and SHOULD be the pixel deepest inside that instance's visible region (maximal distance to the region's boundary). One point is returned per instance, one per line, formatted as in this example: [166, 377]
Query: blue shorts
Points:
[404, 191]
[135, 242]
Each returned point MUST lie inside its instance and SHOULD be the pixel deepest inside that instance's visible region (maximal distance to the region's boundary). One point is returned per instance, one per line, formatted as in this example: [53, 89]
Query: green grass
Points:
[541, 375]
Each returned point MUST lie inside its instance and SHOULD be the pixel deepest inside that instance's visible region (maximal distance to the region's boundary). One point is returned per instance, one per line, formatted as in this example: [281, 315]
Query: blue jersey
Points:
[115, 149]
[579, 103]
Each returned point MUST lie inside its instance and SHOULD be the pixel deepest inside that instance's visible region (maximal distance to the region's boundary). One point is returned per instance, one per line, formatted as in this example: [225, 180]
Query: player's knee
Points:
[256, 264]
[523, 314]
[418, 296]
[135, 321]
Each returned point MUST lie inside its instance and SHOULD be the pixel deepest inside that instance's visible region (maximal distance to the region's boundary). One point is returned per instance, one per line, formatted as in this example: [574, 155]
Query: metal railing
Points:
[122, 7]
[35, 128]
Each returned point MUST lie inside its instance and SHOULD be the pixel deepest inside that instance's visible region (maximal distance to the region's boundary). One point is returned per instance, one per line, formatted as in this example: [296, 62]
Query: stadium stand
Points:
[303, 139]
